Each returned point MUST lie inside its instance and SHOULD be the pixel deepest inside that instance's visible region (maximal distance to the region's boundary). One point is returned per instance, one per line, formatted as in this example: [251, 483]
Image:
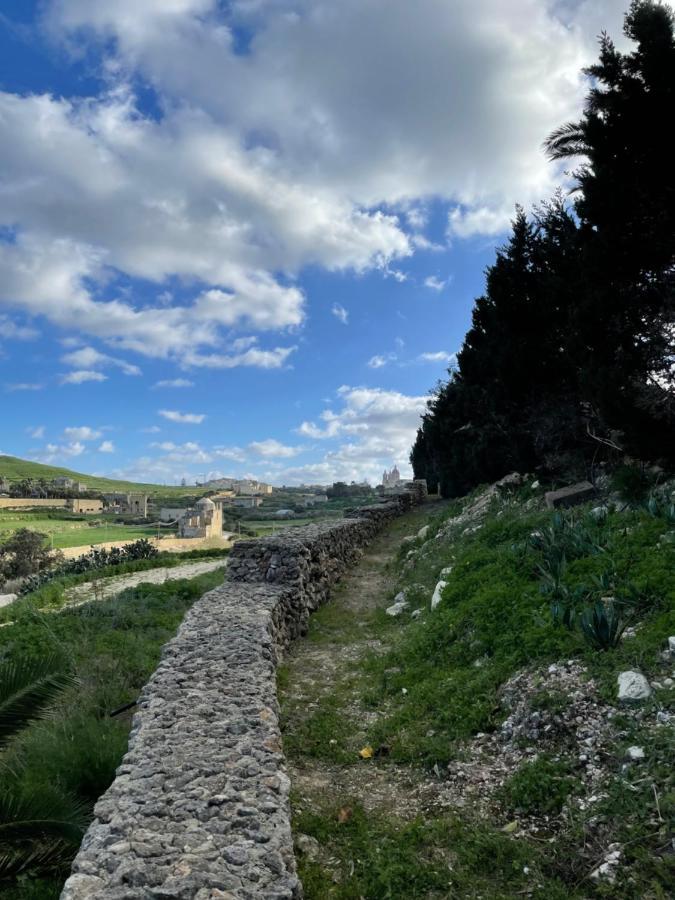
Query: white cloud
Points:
[55, 452]
[340, 313]
[9, 330]
[81, 375]
[379, 360]
[81, 433]
[434, 283]
[373, 429]
[185, 418]
[89, 358]
[262, 163]
[439, 356]
[174, 383]
[262, 359]
[273, 449]
[38, 432]
[106, 447]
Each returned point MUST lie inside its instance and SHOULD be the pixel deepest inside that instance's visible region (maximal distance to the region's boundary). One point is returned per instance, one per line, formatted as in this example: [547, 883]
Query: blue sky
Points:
[245, 237]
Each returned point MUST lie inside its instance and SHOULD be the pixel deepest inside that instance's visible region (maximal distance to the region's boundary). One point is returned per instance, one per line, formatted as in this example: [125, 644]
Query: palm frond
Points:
[42, 858]
[568, 140]
[27, 690]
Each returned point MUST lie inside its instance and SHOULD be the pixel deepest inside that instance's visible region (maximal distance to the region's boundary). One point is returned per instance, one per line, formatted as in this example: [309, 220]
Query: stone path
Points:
[105, 588]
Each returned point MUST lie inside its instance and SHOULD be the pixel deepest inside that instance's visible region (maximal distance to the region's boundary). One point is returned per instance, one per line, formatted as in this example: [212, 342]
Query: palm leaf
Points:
[39, 830]
[27, 690]
[568, 140]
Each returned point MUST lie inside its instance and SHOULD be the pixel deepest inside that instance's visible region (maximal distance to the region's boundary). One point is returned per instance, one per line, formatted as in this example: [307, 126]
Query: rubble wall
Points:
[199, 808]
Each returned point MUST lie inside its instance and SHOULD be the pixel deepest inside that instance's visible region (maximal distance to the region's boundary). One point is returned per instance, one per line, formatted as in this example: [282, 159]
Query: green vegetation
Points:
[112, 647]
[15, 469]
[68, 530]
[432, 683]
[568, 361]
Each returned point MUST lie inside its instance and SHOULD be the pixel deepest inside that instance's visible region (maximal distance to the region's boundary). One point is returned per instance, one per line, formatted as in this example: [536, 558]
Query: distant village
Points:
[225, 499]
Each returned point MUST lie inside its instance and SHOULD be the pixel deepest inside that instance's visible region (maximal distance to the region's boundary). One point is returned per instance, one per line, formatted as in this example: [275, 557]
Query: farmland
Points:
[64, 530]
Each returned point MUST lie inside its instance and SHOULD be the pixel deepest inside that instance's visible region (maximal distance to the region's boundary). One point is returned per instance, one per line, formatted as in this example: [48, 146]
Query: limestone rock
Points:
[423, 532]
[633, 686]
[570, 496]
[635, 753]
[438, 594]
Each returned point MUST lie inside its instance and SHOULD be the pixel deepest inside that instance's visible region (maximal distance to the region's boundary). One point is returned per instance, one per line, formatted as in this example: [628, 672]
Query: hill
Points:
[15, 469]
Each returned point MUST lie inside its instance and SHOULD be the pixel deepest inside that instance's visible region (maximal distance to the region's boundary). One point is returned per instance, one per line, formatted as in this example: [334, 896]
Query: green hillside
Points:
[15, 469]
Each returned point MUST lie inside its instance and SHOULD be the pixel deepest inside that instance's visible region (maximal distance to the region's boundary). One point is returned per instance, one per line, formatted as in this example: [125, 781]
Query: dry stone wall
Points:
[199, 808]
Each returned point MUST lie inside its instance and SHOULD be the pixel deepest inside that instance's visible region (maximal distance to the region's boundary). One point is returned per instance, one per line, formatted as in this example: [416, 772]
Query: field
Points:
[16, 469]
[70, 531]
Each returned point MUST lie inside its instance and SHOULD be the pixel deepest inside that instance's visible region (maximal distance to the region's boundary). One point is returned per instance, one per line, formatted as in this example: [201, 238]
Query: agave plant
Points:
[603, 624]
[39, 828]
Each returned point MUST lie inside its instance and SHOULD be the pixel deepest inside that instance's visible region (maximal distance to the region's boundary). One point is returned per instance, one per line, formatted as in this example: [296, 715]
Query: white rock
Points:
[668, 682]
[409, 539]
[535, 485]
[438, 591]
[446, 571]
[397, 608]
[633, 686]
[7, 599]
[423, 532]
[635, 753]
[599, 512]
[671, 645]
[400, 597]
[415, 614]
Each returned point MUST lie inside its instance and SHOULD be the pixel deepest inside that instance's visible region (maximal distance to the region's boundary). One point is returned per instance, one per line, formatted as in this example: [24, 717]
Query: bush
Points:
[632, 484]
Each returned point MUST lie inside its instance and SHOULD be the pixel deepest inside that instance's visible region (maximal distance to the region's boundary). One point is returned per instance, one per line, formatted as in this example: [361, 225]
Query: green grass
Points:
[437, 684]
[370, 857]
[113, 646]
[16, 469]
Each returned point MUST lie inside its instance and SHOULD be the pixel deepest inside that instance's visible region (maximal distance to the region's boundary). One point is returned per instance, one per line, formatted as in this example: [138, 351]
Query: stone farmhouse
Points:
[203, 520]
[132, 504]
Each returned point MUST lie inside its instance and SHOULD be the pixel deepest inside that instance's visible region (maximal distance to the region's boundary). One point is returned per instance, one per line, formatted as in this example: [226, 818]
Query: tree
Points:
[622, 333]
[25, 553]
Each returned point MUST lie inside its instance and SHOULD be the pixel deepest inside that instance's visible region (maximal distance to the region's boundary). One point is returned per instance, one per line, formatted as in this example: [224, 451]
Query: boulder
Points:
[514, 480]
[398, 606]
[633, 686]
[423, 532]
[570, 496]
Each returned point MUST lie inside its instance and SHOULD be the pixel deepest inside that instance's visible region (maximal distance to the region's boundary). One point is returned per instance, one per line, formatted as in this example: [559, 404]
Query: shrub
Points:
[632, 484]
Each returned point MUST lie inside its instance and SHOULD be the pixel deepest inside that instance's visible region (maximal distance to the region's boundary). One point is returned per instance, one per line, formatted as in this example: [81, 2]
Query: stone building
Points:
[203, 520]
[391, 479]
[85, 506]
[252, 502]
[127, 504]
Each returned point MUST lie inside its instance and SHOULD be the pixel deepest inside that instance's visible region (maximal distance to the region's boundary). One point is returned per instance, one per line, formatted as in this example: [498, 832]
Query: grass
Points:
[71, 531]
[16, 469]
[52, 595]
[113, 647]
[434, 683]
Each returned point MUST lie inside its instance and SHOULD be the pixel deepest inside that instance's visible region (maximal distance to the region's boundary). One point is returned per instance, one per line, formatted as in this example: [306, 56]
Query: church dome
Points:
[205, 503]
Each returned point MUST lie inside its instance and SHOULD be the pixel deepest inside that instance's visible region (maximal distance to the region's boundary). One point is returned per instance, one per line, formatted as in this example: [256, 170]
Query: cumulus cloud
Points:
[261, 163]
[373, 428]
[184, 418]
[106, 447]
[273, 449]
[10, 330]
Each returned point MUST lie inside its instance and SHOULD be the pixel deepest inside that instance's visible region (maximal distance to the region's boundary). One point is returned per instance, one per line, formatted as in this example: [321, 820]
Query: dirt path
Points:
[321, 749]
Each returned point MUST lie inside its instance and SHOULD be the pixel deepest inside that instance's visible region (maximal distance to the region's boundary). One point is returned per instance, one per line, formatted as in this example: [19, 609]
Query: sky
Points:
[244, 238]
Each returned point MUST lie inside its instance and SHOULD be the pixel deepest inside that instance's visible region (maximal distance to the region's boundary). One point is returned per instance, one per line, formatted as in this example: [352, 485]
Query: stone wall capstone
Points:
[199, 808]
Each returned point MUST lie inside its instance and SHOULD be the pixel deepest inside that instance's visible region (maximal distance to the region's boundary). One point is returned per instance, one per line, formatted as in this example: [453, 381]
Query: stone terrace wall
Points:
[199, 808]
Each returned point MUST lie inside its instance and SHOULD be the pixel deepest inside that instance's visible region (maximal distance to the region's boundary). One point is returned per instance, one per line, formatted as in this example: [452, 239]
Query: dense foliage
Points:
[569, 358]
[82, 664]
